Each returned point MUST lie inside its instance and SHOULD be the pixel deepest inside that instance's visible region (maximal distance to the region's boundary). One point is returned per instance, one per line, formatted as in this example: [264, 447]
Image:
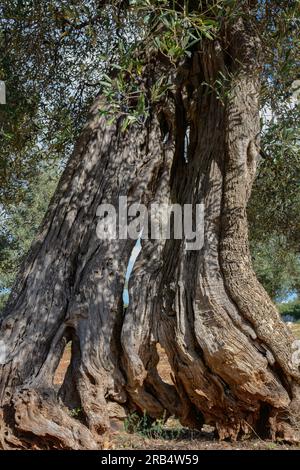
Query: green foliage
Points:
[56, 55]
[158, 28]
[291, 309]
[279, 24]
[274, 208]
[175, 30]
[75, 412]
[124, 99]
[3, 300]
[48, 52]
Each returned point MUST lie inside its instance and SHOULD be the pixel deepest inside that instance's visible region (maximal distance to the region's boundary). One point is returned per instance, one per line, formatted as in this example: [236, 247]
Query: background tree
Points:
[274, 206]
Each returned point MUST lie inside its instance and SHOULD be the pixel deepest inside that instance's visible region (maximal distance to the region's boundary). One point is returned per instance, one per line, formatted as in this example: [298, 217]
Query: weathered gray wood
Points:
[230, 352]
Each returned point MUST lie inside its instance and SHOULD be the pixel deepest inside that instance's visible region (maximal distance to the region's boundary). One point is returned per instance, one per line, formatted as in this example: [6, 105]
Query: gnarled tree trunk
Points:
[230, 354]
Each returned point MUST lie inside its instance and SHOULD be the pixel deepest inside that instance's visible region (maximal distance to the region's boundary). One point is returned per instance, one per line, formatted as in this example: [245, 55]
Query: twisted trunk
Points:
[229, 351]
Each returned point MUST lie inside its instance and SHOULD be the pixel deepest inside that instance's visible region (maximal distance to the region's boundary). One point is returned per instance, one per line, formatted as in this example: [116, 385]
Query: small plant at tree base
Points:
[151, 429]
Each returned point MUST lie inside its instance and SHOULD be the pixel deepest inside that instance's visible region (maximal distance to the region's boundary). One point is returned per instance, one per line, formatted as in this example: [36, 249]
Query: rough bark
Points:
[230, 354]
